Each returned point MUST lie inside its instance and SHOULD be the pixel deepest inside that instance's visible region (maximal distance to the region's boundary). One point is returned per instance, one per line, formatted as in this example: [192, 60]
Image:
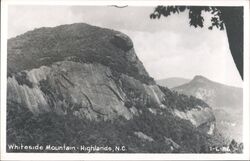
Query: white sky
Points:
[168, 47]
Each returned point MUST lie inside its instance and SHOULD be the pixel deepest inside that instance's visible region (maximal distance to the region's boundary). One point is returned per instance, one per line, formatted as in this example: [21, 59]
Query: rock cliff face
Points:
[91, 73]
[88, 90]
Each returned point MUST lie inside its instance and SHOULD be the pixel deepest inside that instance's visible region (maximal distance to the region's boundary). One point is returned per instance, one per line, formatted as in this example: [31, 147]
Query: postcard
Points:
[124, 80]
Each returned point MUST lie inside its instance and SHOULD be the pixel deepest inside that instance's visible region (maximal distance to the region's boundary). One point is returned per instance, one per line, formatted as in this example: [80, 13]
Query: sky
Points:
[168, 47]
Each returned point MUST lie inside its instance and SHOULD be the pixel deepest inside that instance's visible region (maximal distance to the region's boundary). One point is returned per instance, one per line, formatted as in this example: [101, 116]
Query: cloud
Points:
[25, 18]
[129, 18]
[170, 54]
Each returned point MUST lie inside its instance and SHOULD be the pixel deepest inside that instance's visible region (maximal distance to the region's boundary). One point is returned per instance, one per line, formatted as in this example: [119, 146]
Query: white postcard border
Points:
[154, 156]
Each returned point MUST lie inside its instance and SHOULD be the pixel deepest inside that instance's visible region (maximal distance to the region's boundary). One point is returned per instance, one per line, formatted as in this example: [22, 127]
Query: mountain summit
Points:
[213, 93]
[200, 78]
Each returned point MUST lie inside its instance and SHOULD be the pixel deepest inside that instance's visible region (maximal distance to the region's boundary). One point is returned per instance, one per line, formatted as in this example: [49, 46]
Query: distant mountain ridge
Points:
[226, 101]
[213, 93]
[172, 82]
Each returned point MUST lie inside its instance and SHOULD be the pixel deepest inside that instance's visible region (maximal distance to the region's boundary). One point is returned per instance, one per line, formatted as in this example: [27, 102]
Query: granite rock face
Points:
[90, 72]
[87, 90]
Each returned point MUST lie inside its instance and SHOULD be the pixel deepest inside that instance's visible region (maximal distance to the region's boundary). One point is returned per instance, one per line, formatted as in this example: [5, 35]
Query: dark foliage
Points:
[22, 79]
[52, 129]
[181, 102]
[236, 147]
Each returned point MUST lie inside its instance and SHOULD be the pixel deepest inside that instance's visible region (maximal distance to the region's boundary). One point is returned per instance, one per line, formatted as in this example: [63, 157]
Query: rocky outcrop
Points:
[87, 90]
[172, 144]
[122, 41]
[197, 116]
[202, 118]
[86, 71]
[143, 136]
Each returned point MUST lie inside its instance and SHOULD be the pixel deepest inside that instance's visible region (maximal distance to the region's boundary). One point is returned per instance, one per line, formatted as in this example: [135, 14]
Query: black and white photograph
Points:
[125, 79]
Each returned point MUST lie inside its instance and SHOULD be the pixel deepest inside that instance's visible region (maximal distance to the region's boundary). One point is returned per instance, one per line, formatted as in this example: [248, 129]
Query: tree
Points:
[230, 18]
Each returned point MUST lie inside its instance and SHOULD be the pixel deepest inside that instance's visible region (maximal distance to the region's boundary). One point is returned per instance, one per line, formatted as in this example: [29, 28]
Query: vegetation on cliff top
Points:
[77, 42]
